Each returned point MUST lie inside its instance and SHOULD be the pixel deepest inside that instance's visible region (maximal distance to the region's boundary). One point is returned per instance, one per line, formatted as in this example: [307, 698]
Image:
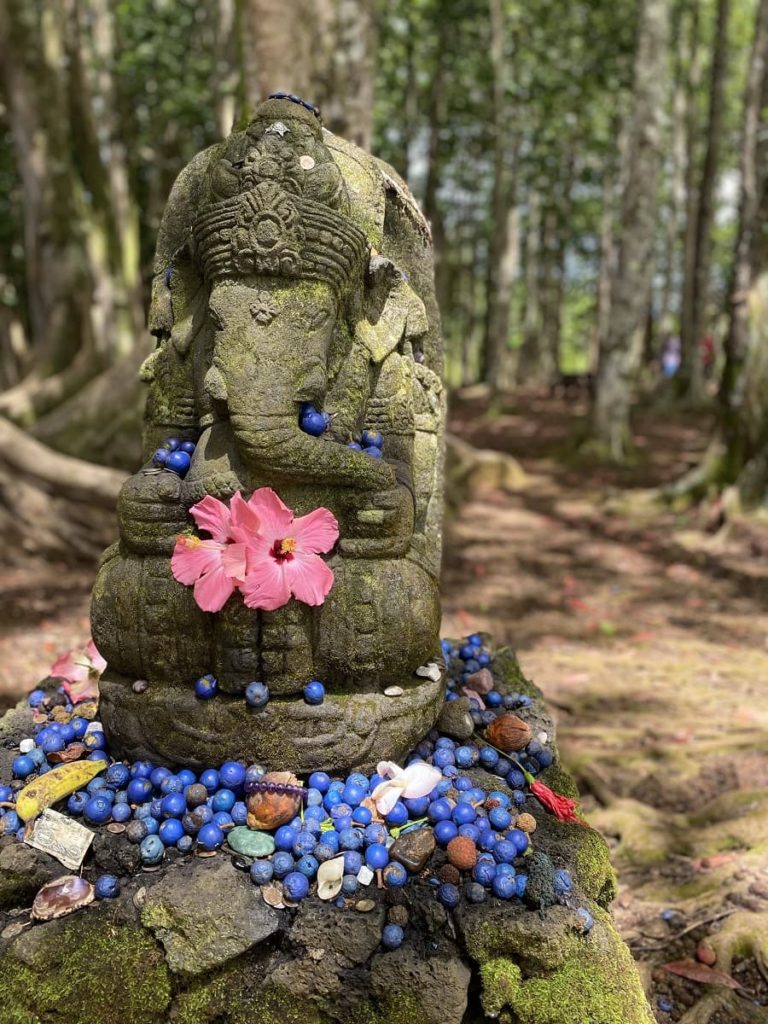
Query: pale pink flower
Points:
[284, 557]
[418, 779]
[217, 566]
[80, 673]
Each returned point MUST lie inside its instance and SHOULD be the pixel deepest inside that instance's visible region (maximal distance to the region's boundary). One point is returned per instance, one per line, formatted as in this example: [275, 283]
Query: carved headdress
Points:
[278, 205]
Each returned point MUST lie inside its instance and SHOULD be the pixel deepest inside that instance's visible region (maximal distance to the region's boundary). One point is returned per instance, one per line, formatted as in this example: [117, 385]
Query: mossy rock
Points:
[90, 966]
[596, 984]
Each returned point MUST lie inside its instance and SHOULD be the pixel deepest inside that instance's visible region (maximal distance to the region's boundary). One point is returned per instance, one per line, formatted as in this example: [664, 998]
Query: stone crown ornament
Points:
[266, 230]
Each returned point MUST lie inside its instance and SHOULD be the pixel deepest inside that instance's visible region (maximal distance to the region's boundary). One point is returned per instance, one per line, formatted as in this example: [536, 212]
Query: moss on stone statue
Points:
[82, 969]
[596, 984]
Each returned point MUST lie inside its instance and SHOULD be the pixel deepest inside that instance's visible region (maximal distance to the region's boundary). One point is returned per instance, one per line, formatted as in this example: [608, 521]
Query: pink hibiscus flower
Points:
[217, 566]
[284, 558]
[80, 674]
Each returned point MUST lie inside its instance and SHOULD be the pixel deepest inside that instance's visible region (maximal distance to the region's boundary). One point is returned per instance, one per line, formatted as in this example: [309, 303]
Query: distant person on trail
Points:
[707, 355]
[670, 356]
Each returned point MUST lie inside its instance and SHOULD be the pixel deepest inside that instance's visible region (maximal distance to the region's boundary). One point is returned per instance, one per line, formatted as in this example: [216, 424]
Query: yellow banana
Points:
[55, 785]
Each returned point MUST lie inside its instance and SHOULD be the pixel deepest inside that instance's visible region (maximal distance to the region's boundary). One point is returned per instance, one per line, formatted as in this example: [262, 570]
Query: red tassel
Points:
[563, 808]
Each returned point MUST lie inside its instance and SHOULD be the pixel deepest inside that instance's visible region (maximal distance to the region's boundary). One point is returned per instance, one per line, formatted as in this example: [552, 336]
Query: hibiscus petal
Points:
[316, 532]
[266, 585]
[83, 689]
[98, 663]
[386, 795]
[192, 557]
[274, 516]
[245, 521]
[65, 667]
[420, 779]
[388, 769]
[233, 561]
[212, 515]
[309, 577]
[213, 590]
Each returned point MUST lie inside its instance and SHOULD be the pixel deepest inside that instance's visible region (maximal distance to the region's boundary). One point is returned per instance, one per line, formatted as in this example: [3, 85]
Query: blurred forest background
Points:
[596, 176]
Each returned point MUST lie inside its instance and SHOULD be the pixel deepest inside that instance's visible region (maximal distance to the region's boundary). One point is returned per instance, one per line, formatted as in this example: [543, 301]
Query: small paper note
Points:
[61, 837]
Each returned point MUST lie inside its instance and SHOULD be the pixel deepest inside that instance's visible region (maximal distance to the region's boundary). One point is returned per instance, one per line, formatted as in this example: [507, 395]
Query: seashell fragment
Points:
[329, 878]
[273, 800]
[62, 896]
[273, 896]
[364, 906]
[115, 827]
[429, 671]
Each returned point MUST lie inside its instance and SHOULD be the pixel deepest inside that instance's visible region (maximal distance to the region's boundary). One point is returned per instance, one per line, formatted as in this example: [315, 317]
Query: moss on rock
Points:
[81, 969]
[596, 984]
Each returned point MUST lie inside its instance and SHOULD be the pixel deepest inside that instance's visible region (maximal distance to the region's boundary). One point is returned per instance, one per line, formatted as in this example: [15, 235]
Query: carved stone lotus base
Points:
[168, 724]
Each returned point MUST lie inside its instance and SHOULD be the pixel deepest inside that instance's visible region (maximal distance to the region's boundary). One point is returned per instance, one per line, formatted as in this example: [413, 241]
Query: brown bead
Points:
[526, 823]
[398, 915]
[462, 853]
[509, 733]
[705, 954]
[268, 808]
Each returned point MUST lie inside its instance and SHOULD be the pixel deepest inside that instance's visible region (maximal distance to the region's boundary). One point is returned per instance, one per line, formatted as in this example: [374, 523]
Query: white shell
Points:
[273, 896]
[394, 691]
[329, 876]
[429, 671]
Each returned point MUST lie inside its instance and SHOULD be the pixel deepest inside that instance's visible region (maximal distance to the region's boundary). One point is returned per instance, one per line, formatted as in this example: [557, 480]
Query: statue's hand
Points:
[379, 523]
[151, 511]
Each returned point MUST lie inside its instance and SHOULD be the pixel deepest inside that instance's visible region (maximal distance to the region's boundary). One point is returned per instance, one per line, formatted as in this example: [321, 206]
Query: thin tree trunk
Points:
[504, 240]
[688, 340]
[630, 286]
[344, 89]
[705, 213]
[607, 261]
[527, 366]
[436, 119]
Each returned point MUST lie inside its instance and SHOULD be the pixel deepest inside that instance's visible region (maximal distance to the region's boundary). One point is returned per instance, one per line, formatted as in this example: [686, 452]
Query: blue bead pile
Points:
[175, 455]
[193, 812]
[371, 443]
[312, 420]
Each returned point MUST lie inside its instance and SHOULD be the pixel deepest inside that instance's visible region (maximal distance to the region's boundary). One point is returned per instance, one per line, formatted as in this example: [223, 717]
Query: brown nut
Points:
[526, 823]
[509, 733]
[462, 853]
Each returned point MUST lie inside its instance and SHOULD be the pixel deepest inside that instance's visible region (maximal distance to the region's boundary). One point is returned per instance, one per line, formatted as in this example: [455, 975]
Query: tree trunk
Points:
[691, 368]
[630, 286]
[504, 239]
[528, 363]
[607, 265]
[345, 86]
[52, 506]
[735, 417]
[552, 263]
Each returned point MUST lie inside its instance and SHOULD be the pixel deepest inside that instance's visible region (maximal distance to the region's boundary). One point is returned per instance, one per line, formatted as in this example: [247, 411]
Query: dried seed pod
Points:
[509, 733]
[462, 853]
[273, 800]
[525, 822]
[448, 873]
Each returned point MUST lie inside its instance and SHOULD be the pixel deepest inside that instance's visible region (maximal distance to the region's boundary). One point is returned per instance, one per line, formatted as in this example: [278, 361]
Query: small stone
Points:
[542, 737]
[140, 685]
[413, 849]
[455, 720]
[116, 827]
[14, 929]
[365, 875]
[525, 822]
[251, 843]
[365, 906]
[481, 682]
[398, 915]
[394, 691]
[429, 671]
[139, 897]
[26, 745]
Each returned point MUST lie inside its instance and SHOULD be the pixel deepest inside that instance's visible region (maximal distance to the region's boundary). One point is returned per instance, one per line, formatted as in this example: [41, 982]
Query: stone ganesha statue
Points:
[291, 268]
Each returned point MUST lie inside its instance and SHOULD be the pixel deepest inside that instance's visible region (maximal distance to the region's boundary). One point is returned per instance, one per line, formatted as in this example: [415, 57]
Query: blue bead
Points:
[466, 756]
[392, 936]
[210, 837]
[186, 777]
[464, 813]
[256, 694]
[185, 844]
[285, 837]
[664, 1004]
[375, 833]
[314, 692]
[173, 805]
[232, 774]
[223, 800]
[493, 699]
[307, 865]
[170, 831]
[520, 885]
[151, 850]
[397, 816]
[448, 895]
[361, 816]
[121, 812]
[239, 813]
[504, 885]
[417, 807]
[172, 444]
[106, 887]
[79, 725]
[210, 779]
[97, 810]
[395, 875]
[353, 793]
[445, 831]
[439, 810]
[355, 446]
[169, 784]
[261, 872]
[351, 839]
[545, 758]
[484, 659]
[353, 861]
[22, 766]
[117, 775]
[313, 422]
[373, 452]
[505, 851]
[151, 824]
[331, 838]
[377, 856]
[466, 652]
[206, 687]
[349, 885]
[519, 838]
[188, 447]
[372, 439]
[161, 456]
[178, 462]
[36, 698]
[484, 872]
[76, 803]
[563, 881]
[11, 823]
[499, 818]
[282, 863]
[320, 781]
[586, 918]
[223, 819]
[303, 843]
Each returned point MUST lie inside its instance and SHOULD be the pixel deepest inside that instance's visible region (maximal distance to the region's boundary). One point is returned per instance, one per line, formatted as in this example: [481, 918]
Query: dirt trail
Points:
[650, 639]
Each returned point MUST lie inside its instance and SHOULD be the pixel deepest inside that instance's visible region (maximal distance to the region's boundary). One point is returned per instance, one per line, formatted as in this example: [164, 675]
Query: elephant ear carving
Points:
[393, 311]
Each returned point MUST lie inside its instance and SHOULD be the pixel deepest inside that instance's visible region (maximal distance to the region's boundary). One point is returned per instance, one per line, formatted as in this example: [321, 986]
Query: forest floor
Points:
[648, 633]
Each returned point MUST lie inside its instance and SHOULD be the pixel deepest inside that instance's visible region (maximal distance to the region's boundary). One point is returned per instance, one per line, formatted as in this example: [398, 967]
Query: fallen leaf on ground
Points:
[700, 972]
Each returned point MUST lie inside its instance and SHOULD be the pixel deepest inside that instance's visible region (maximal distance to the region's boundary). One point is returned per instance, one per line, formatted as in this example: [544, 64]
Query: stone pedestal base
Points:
[170, 725]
